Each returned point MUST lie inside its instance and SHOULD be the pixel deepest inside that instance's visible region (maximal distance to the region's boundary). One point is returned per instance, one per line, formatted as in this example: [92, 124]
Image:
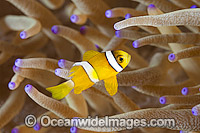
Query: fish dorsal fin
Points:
[111, 85]
[73, 70]
[89, 54]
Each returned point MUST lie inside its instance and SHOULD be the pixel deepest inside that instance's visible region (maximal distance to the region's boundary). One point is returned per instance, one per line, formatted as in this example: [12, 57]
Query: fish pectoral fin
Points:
[89, 54]
[111, 85]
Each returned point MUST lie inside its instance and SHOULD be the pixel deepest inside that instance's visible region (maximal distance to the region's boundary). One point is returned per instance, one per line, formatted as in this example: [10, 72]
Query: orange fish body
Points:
[95, 66]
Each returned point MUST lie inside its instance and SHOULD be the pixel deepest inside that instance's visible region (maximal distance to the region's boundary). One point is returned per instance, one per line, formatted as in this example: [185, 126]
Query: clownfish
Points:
[95, 66]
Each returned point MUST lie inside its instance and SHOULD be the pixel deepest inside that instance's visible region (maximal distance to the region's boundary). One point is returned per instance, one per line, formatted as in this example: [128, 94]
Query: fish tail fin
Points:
[61, 90]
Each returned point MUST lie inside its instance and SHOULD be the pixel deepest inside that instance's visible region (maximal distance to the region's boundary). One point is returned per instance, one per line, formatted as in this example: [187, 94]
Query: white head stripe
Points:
[112, 61]
[89, 70]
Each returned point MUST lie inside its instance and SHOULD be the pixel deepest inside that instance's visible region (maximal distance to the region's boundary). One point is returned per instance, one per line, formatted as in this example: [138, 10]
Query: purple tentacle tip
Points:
[194, 6]
[11, 85]
[108, 13]
[83, 30]
[135, 44]
[73, 129]
[151, 6]
[97, 46]
[128, 15]
[15, 130]
[181, 131]
[195, 111]
[74, 18]
[15, 68]
[28, 88]
[117, 33]
[61, 63]
[57, 72]
[162, 100]
[37, 127]
[23, 35]
[171, 57]
[54, 29]
[133, 87]
[184, 91]
[18, 62]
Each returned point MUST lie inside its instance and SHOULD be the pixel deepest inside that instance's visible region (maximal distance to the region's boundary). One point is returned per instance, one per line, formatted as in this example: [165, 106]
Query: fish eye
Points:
[120, 59]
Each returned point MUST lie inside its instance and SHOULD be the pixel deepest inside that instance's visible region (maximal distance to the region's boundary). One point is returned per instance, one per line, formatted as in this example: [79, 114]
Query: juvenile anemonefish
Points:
[95, 66]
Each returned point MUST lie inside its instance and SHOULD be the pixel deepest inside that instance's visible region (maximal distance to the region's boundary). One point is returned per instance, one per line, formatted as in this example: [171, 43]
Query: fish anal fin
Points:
[111, 85]
[89, 54]
[77, 90]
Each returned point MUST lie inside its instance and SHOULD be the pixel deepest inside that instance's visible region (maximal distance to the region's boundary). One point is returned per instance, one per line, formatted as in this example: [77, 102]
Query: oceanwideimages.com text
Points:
[129, 123]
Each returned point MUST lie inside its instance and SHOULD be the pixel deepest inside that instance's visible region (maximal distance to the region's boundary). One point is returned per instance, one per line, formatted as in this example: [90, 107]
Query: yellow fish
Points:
[95, 66]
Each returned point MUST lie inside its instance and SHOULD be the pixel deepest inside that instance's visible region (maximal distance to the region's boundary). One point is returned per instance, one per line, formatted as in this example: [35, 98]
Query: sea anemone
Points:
[41, 40]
